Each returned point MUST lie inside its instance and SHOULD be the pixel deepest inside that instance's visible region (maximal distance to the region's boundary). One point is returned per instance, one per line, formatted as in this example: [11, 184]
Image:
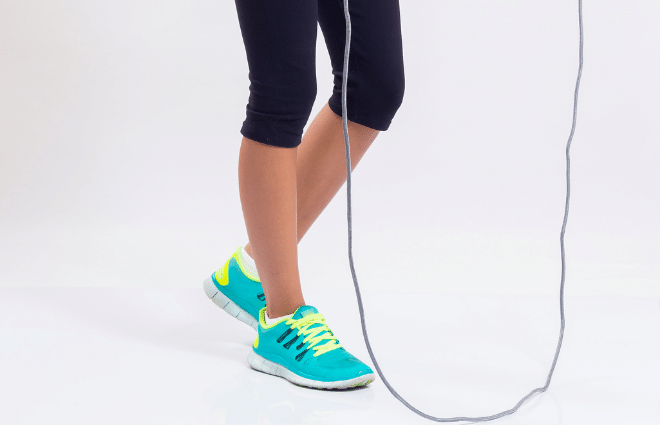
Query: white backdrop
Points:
[119, 139]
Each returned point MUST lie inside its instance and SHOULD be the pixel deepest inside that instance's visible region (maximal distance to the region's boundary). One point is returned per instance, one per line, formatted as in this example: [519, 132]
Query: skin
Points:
[284, 190]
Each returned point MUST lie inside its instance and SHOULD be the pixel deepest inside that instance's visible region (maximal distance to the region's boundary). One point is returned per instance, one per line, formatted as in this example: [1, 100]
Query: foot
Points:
[303, 350]
[236, 289]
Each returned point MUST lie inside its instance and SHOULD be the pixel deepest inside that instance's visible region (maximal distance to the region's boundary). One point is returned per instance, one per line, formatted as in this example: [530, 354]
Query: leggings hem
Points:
[335, 106]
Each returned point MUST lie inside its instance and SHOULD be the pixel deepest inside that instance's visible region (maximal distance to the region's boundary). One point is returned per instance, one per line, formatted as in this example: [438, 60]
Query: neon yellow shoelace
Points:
[316, 334]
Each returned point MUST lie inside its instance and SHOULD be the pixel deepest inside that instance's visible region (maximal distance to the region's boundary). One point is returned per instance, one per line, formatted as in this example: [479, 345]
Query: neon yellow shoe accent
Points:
[256, 341]
[223, 278]
[316, 334]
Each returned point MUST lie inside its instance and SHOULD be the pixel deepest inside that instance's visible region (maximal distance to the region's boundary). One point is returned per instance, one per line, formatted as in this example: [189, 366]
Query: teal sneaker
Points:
[303, 350]
[237, 291]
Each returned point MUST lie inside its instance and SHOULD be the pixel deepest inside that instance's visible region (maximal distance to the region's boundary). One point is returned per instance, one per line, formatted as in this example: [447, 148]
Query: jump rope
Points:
[350, 240]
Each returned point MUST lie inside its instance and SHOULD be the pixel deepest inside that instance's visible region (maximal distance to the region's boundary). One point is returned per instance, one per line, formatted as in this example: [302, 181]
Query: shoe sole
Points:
[261, 364]
[222, 301]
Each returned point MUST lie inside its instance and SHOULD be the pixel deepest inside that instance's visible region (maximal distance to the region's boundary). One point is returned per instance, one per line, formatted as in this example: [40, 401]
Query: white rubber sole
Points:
[222, 301]
[261, 364]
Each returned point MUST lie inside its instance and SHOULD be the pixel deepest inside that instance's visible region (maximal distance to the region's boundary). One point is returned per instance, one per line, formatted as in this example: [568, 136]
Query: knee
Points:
[302, 94]
[278, 111]
[295, 97]
[384, 98]
[393, 91]
[375, 97]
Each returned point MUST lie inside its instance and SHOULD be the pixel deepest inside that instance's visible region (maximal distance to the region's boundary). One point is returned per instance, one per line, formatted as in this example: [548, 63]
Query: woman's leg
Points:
[267, 184]
[321, 165]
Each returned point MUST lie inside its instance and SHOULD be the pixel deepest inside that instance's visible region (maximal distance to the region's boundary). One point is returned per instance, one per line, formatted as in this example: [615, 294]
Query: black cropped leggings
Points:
[280, 41]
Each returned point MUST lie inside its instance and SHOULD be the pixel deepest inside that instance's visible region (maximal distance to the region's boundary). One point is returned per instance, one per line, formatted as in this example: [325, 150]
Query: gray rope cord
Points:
[350, 240]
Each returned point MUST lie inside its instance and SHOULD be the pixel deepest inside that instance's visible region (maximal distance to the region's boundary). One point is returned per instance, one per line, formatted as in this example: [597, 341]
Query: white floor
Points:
[169, 356]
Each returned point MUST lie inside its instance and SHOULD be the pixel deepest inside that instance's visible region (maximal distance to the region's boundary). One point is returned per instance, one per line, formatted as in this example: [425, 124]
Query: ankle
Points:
[248, 249]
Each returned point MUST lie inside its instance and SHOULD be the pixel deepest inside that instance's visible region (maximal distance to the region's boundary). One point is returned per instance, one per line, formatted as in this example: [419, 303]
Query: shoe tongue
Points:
[303, 311]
